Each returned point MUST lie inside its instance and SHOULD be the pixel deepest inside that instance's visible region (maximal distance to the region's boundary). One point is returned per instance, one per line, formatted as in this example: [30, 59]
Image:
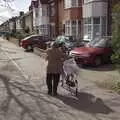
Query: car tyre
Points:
[98, 61]
[29, 47]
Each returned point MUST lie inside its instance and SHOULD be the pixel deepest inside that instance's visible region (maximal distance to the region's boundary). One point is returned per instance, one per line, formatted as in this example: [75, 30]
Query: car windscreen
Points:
[64, 39]
[101, 43]
[26, 38]
[92, 43]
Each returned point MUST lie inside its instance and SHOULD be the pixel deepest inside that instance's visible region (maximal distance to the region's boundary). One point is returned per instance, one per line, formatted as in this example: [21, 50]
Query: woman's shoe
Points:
[49, 93]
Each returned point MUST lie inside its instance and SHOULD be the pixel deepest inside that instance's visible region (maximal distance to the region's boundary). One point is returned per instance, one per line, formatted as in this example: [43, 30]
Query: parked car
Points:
[68, 41]
[94, 53]
[32, 41]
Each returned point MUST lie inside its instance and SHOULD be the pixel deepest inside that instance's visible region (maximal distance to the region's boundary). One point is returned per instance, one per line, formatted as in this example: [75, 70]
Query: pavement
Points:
[23, 92]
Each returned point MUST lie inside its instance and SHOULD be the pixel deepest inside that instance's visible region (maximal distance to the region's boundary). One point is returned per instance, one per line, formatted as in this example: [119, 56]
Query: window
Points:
[79, 28]
[96, 27]
[74, 27]
[87, 28]
[86, 1]
[45, 11]
[36, 13]
[87, 20]
[71, 3]
[96, 20]
[74, 3]
[37, 38]
[67, 28]
[80, 3]
[44, 29]
[104, 26]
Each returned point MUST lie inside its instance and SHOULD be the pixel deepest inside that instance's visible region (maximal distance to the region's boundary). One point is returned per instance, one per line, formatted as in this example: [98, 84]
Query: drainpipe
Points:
[56, 18]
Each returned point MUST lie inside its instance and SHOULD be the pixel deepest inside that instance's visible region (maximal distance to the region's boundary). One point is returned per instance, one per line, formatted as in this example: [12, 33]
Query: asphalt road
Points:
[23, 91]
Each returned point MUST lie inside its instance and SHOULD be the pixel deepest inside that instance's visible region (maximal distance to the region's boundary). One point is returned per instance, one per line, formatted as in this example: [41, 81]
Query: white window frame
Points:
[87, 25]
[44, 29]
[69, 4]
[100, 27]
[69, 27]
[44, 10]
[87, 1]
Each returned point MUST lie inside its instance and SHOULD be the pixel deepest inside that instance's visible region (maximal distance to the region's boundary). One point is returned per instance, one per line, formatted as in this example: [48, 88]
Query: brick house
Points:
[12, 24]
[85, 19]
[4, 26]
[44, 17]
[34, 9]
[70, 17]
[28, 18]
[56, 17]
[20, 22]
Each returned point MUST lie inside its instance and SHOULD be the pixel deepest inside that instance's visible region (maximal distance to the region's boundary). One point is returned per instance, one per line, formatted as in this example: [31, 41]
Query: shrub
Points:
[116, 36]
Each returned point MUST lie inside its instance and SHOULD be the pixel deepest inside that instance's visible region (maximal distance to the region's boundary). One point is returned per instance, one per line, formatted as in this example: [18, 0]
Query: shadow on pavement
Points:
[87, 103]
[105, 67]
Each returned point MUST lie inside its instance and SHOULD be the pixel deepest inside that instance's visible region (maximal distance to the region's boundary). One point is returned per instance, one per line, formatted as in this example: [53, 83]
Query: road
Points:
[23, 91]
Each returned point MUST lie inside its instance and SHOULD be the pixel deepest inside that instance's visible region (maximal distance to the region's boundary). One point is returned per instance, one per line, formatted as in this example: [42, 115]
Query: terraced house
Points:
[70, 17]
[94, 19]
[83, 19]
[55, 17]
[34, 9]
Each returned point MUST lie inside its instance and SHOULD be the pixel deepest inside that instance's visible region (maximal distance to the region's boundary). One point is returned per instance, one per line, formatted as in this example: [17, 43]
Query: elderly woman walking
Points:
[55, 57]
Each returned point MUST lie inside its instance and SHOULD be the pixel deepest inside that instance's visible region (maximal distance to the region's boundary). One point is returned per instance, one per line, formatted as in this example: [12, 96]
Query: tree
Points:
[116, 35]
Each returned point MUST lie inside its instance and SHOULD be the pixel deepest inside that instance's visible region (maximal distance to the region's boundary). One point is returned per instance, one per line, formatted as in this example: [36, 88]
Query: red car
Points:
[35, 41]
[94, 53]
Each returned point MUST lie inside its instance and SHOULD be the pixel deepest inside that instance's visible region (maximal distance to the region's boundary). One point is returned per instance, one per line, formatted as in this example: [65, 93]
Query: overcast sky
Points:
[17, 5]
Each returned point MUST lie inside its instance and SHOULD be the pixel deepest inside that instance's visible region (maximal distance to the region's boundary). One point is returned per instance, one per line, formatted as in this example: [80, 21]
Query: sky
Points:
[17, 5]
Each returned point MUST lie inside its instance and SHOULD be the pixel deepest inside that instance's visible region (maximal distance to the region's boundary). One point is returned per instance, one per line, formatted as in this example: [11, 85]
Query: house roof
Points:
[34, 4]
[44, 1]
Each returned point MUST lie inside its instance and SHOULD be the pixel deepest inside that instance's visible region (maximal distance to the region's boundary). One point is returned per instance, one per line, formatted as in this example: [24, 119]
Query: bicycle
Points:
[70, 74]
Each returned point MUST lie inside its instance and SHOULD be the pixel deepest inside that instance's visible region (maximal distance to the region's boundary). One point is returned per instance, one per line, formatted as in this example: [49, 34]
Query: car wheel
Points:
[98, 61]
[29, 47]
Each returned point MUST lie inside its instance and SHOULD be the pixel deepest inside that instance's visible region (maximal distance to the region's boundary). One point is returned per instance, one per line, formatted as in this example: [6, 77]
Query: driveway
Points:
[23, 91]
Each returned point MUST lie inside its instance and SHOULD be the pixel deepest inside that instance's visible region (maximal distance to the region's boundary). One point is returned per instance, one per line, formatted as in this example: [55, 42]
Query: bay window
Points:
[87, 28]
[73, 28]
[44, 29]
[45, 11]
[67, 28]
[94, 27]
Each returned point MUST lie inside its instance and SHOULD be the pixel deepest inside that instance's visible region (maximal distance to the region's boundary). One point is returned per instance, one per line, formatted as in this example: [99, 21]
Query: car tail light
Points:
[23, 42]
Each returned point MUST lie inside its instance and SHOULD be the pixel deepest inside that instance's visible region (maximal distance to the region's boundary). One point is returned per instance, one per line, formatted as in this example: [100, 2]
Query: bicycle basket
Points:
[70, 83]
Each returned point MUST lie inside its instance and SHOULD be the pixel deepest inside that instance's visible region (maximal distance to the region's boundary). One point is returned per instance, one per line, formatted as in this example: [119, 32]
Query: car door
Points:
[41, 43]
[34, 39]
[47, 41]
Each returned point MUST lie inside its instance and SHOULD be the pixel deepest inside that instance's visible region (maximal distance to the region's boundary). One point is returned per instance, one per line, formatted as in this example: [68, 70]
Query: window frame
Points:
[71, 4]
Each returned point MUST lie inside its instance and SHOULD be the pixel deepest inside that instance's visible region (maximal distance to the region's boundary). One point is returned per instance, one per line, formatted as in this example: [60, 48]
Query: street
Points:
[23, 91]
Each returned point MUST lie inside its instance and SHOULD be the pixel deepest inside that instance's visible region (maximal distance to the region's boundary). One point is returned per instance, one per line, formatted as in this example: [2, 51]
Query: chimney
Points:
[21, 13]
